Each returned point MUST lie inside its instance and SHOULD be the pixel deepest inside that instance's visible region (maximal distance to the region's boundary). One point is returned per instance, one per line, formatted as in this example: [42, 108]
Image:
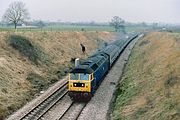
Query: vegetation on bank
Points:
[30, 62]
[149, 88]
[29, 49]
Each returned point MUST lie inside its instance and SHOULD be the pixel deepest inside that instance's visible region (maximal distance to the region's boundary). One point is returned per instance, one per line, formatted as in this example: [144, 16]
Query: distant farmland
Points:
[62, 28]
[74, 28]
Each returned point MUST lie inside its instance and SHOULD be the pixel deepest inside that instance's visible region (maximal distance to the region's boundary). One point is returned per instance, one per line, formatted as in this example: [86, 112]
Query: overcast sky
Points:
[101, 10]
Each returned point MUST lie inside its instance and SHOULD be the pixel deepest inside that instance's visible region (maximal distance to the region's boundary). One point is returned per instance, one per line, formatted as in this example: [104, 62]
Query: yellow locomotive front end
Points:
[79, 86]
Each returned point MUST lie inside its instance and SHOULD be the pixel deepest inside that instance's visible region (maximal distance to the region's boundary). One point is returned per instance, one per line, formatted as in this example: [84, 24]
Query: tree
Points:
[40, 24]
[118, 24]
[155, 25]
[16, 13]
[143, 24]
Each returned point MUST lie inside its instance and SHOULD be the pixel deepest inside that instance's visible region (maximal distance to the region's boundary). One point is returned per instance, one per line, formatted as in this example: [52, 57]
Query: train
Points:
[85, 78]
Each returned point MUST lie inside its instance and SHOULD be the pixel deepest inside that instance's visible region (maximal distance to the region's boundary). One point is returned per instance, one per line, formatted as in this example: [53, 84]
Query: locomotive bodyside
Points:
[84, 79]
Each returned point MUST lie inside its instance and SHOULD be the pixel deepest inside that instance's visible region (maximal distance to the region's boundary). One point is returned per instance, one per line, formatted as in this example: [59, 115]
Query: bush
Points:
[37, 81]
[171, 81]
[27, 48]
[64, 69]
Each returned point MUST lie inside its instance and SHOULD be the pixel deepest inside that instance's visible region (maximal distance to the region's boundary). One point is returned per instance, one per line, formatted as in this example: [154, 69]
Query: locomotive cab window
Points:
[73, 76]
[84, 76]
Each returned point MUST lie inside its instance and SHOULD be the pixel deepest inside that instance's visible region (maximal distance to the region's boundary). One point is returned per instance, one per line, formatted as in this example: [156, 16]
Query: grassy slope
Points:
[15, 68]
[151, 81]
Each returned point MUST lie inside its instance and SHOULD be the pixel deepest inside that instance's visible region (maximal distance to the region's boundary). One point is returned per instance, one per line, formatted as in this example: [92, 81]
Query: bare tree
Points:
[16, 13]
[118, 24]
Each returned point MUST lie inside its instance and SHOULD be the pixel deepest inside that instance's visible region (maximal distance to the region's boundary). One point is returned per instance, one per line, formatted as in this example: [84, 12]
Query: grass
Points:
[127, 89]
[27, 48]
[150, 83]
[23, 56]
[38, 82]
[63, 28]
[71, 28]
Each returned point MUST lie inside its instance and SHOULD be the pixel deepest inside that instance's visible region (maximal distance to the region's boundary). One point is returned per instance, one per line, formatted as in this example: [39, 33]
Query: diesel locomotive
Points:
[84, 79]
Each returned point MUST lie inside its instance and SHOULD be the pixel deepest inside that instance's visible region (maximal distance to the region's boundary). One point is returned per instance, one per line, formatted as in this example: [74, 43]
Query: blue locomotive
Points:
[86, 77]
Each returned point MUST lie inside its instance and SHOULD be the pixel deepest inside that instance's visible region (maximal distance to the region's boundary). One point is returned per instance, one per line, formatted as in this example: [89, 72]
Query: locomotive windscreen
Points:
[74, 76]
[84, 76]
[78, 76]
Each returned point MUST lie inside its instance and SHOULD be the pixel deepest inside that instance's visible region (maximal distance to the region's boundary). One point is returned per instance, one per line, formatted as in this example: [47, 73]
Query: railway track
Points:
[100, 106]
[43, 107]
[74, 111]
[71, 110]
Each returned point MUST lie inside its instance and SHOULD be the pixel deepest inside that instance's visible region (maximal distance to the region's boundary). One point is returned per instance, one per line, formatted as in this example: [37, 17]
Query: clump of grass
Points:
[169, 110]
[169, 104]
[171, 81]
[41, 83]
[139, 112]
[37, 81]
[60, 72]
[63, 70]
[3, 112]
[125, 92]
[32, 51]
[52, 78]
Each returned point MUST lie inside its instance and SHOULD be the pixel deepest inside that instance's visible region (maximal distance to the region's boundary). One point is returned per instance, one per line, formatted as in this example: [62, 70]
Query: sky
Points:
[166, 11]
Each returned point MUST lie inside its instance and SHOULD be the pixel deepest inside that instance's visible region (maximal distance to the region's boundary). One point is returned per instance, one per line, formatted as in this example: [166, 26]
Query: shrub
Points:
[171, 81]
[37, 81]
[63, 70]
[27, 48]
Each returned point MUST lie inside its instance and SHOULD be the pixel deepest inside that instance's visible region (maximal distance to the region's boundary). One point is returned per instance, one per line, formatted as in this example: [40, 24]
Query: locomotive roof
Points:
[85, 67]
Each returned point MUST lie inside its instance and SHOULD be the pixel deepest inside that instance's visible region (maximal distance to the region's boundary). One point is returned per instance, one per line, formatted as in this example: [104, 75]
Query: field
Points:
[75, 28]
[151, 81]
